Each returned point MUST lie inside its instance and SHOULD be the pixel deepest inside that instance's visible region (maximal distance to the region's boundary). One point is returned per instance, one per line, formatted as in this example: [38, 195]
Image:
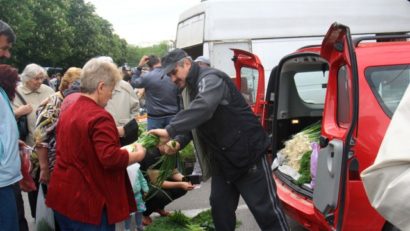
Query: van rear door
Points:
[338, 125]
[250, 81]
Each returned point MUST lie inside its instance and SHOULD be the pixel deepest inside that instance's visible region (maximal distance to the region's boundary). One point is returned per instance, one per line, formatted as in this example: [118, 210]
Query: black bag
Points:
[22, 122]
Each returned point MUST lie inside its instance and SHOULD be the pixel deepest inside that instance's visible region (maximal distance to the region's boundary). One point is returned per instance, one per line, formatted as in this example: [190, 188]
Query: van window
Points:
[343, 98]
[249, 84]
[388, 84]
[311, 86]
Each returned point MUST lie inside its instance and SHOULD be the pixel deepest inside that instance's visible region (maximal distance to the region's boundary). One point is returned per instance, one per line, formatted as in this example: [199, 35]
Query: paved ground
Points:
[191, 204]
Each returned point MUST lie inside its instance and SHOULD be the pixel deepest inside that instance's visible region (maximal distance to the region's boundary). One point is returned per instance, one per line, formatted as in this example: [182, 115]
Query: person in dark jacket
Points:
[232, 141]
[161, 96]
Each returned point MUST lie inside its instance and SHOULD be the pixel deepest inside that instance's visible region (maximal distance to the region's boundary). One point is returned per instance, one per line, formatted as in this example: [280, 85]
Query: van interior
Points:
[194, 51]
[298, 85]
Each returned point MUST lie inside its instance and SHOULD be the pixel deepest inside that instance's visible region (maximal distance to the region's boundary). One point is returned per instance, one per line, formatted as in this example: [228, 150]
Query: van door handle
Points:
[323, 141]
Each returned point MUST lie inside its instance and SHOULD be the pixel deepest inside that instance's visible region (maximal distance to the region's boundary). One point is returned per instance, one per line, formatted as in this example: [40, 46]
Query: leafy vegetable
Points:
[299, 144]
[179, 222]
[167, 165]
[304, 169]
[148, 141]
[187, 152]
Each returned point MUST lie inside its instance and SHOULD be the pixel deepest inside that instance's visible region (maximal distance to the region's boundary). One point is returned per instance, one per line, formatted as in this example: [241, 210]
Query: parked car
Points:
[353, 87]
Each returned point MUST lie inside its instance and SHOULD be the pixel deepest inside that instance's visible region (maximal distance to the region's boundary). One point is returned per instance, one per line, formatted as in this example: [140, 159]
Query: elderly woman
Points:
[33, 92]
[90, 189]
[48, 112]
[44, 133]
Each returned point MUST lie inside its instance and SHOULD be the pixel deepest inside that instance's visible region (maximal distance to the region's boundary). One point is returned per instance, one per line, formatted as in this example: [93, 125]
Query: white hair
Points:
[98, 70]
[31, 71]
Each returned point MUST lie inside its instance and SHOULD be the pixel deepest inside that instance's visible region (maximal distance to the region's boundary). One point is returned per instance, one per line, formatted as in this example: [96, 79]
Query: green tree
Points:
[66, 33]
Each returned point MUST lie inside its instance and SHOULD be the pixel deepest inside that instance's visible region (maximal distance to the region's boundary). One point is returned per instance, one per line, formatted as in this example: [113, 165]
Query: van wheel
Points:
[389, 227]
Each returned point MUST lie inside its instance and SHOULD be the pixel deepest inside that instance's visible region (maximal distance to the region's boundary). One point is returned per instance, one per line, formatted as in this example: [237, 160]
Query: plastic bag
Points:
[44, 215]
[313, 163]
[132, 172]
[27, 183]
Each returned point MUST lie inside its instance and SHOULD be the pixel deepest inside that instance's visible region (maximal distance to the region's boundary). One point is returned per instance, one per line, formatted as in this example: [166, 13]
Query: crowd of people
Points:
[77, 133]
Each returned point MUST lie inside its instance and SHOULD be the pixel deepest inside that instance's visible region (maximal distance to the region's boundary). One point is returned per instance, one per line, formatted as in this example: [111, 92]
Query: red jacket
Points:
[90, 171]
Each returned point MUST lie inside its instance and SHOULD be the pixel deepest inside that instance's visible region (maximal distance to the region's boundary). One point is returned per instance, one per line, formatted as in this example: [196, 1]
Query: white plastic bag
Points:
[44, 215]
[132, 173]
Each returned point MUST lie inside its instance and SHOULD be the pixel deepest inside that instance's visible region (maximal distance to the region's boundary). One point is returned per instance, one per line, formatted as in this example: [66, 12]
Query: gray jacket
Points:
[161, 94]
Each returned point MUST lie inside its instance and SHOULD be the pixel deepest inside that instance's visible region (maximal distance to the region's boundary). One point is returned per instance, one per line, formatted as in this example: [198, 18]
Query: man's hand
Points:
[143, 61]
[170, 148]
[162, 134]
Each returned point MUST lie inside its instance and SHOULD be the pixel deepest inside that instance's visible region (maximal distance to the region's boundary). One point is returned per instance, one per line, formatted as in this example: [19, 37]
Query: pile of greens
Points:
[177, 221]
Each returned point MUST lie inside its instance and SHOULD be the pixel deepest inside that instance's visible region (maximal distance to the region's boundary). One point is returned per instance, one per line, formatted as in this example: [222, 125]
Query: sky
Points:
[143, 22]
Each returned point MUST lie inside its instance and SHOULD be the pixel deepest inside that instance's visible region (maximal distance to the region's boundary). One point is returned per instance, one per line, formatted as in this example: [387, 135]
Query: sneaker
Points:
[146, 220]
[162, 212]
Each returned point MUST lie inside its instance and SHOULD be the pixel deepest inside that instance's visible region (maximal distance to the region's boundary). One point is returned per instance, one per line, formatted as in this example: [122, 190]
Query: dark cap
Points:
[169, 61]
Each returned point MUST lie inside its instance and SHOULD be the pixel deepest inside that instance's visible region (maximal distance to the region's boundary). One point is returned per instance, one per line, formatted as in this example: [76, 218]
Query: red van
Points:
[353, 87]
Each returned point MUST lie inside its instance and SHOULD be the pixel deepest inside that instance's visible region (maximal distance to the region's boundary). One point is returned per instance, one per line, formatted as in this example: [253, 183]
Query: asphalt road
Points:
[191, 204]
[198, 200]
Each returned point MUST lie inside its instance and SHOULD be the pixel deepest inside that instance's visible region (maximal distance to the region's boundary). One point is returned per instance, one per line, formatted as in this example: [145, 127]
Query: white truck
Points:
[271, 29]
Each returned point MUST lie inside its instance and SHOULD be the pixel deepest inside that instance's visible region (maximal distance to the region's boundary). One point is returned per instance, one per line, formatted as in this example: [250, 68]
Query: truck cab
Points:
[352, 88]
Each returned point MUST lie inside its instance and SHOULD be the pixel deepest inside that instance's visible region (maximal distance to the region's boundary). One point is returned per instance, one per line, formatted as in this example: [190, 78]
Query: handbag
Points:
[22, 122]
[27, 183]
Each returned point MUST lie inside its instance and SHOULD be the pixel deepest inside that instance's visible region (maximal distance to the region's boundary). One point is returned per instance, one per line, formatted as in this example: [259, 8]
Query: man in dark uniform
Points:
[231, 141]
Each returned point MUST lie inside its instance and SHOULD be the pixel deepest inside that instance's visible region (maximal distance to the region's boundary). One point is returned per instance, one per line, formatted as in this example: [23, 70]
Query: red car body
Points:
[355, 114]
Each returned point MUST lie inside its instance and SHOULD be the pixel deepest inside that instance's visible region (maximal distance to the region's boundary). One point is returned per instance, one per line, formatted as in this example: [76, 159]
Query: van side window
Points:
[343, 98]
[388, 84]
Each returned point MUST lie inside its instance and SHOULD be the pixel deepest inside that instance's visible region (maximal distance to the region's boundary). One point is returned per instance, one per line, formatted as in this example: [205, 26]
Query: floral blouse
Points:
[45, 130]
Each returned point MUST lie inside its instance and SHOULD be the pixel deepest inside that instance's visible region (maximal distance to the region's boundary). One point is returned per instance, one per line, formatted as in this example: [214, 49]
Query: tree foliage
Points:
[65, 33]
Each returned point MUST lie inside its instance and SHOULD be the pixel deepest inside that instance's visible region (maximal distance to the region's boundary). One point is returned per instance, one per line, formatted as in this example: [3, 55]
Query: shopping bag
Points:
[132, 172]
[44, 215]
[27, 183]
[387, 181]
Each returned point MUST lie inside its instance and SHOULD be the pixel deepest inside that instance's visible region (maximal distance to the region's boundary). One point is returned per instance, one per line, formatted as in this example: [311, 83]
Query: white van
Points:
[271, 29]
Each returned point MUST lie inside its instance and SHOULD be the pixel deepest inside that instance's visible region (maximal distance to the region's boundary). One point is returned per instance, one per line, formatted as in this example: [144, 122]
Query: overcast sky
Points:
[143, 22]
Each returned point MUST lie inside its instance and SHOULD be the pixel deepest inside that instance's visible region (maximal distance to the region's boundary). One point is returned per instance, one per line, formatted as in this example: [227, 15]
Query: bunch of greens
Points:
[187, 153]
[304, 169]
[142, 127]
[298, 149]
[167, 164]
[179, 222]
[148, 141]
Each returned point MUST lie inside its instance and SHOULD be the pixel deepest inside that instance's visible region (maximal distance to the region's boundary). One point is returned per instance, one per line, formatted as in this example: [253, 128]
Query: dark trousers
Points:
[8, 209]
[32, 196]
[67, 224]
[23, 226]
[161, 198]
[259, 192]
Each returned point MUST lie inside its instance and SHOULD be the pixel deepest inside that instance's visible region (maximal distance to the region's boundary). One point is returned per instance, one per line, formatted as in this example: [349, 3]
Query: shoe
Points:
[162, 212]
[146, 220]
